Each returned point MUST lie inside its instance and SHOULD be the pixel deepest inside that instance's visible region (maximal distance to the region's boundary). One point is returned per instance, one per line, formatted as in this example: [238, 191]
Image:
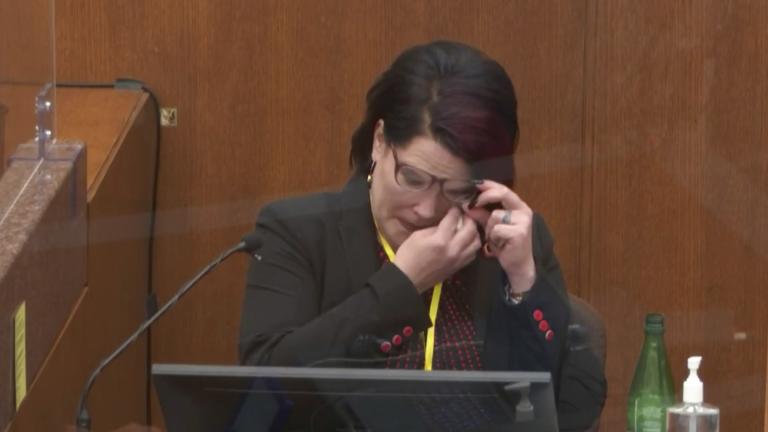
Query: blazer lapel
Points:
[357, 232]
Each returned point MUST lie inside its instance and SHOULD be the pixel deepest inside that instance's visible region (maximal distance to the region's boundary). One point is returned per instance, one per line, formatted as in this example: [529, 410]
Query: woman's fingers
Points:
[492, 192]
[503, 236]
[466, 235]
[506, 217]
[447, 226]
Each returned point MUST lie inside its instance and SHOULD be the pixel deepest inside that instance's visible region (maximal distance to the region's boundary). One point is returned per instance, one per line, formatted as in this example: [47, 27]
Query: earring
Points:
[370, 172]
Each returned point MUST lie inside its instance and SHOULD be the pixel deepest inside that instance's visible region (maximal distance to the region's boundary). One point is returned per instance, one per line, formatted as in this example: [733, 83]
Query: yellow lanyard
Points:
[429, 350]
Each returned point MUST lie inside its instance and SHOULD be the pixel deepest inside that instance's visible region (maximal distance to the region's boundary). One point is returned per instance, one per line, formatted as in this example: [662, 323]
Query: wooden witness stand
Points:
[119, 130]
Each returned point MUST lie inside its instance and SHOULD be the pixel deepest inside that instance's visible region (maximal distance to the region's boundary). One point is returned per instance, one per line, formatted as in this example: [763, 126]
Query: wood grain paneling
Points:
[19, 101]
[121, 127]
[26, 41]
[680, 170]
[104, 117]
[26, 64]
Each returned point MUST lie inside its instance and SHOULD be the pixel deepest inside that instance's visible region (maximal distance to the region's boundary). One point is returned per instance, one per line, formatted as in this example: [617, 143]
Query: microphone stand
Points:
[83, 420]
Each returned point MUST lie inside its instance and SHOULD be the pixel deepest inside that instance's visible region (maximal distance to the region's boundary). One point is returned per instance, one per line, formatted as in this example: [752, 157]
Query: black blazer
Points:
[320, 291]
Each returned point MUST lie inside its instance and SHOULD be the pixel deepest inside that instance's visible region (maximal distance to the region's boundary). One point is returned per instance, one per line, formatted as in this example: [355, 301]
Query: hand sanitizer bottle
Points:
[693, 415]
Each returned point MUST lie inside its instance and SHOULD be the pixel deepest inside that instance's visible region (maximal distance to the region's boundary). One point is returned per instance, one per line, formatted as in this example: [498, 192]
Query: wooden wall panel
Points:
[26, 64]
[119, 127]
[26, 41]
[19, 117]
[119, 210]
[679, 204]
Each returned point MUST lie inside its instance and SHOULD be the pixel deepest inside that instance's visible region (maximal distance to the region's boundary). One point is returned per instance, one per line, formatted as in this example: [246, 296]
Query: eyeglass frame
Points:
[434, 179]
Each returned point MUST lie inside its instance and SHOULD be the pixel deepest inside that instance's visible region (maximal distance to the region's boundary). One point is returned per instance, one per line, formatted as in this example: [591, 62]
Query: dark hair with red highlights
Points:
[452, 92]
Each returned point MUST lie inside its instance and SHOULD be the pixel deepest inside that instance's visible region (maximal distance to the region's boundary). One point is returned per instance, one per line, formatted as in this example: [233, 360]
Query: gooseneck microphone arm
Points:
[250, 244]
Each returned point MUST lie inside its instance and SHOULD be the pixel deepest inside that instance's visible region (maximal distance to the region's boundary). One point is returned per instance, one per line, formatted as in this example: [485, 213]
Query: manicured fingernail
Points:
[477, 182]
[472, 203]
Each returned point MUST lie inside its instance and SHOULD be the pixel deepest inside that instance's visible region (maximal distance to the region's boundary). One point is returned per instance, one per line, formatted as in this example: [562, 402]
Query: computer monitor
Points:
[243, 398]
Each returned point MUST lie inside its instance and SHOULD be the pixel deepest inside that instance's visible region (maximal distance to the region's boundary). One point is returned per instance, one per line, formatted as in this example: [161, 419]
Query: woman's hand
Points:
[434, 254]
[508, 232]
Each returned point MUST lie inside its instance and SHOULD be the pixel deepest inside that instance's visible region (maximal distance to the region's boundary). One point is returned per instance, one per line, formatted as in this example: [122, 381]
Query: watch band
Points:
[513, 298]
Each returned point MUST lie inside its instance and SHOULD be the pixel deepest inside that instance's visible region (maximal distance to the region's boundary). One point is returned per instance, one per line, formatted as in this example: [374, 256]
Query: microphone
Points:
[250, 243]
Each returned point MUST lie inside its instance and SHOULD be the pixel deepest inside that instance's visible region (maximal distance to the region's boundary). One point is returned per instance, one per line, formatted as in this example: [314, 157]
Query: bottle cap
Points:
[654, 322]
[693, 388]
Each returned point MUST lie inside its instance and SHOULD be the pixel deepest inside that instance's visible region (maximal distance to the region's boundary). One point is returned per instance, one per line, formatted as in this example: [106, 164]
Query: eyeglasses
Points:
[415, 179]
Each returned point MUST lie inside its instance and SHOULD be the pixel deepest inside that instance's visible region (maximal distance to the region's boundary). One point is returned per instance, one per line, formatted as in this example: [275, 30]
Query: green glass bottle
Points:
[652, 389]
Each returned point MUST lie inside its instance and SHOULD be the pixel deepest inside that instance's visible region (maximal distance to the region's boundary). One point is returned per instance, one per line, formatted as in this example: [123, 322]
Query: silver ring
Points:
[507, 216]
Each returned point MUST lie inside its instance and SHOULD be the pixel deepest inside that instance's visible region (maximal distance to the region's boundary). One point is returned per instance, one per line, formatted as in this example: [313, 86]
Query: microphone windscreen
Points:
[252, 242]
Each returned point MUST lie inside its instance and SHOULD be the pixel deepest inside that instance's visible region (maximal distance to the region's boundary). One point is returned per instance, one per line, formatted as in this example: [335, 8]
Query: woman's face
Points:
[398, 211]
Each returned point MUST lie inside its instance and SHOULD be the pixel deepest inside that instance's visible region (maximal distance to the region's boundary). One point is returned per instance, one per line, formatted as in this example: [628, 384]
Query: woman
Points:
[426, 231]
